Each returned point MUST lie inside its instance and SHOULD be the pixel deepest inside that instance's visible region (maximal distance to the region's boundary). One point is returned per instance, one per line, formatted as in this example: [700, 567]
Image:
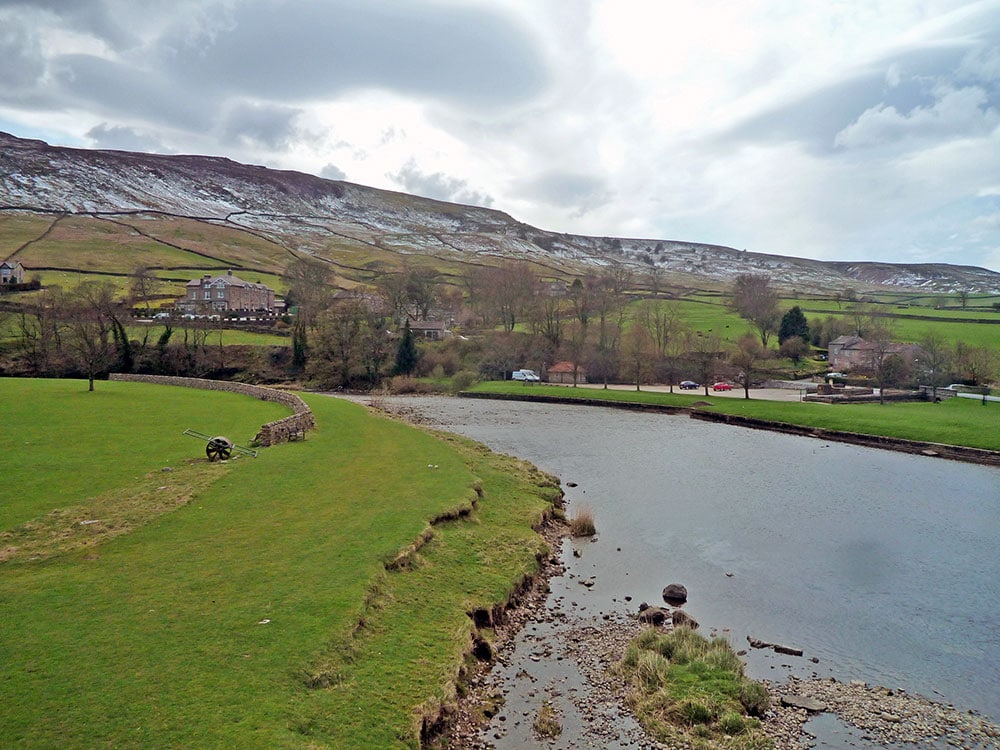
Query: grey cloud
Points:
[260, 124]
[23, 63]
[439, 186]
[333, 172]
[116, 87]
[577, 192]
[91, 16]
[314, 50]
[125, 139]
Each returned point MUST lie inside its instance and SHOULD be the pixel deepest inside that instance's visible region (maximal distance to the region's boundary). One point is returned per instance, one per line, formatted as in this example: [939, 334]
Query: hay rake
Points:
[218, 447]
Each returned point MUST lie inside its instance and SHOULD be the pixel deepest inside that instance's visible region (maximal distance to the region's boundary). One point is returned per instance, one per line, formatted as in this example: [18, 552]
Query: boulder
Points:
[653, 615]
[682, 619]
[802, 701]
[675, 593]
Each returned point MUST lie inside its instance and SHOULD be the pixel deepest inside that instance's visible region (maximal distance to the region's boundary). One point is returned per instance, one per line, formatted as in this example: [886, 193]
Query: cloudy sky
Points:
[834, 129]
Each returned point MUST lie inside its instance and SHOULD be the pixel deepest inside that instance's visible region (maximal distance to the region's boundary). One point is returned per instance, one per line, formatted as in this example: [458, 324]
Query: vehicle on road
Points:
[689, 385]
[526, 376]
[722, 386]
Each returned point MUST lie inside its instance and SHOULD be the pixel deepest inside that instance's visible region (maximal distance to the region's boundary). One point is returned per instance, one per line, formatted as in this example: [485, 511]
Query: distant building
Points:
[226, 293]
[11, 272]
[562, 372]
[854, 353]
[435, 330]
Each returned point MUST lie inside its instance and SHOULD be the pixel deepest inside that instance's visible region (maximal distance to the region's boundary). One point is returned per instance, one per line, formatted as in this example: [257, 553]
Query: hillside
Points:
[198, 212]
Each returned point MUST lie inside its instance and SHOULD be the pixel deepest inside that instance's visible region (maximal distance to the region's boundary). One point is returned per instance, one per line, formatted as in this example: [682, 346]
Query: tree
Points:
[639, 352]
[406, 352]
[704, 351]
[794, 349]
[748, 353]
[504, 293]
[977, 364]
[308, 288]
[793, 323]
[143, 286]
[756, 301]
[885, 365]
[90, 326]
[935, 354]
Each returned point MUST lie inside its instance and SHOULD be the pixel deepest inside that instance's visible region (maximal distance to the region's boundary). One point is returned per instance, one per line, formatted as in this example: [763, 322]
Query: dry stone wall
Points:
[293, 427]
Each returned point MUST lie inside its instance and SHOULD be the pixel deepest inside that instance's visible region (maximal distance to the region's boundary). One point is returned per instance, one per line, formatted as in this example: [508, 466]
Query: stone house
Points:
[226, 293]
[11, 272]
[433, 330]
[854, 353]
[562, 372]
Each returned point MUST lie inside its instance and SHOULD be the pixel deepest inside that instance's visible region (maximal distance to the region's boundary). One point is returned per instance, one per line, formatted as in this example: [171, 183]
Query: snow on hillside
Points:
[303, 210]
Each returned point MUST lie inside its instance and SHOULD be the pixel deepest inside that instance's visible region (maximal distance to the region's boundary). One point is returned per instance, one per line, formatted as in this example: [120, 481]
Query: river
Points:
[882, 566]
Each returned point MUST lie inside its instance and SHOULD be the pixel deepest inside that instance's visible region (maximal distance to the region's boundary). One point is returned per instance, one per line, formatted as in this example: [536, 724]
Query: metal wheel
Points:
[220, 448]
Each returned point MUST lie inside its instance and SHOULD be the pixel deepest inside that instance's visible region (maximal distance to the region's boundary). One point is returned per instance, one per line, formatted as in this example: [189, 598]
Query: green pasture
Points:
[957, 421]
[228, 336]
[261, 612]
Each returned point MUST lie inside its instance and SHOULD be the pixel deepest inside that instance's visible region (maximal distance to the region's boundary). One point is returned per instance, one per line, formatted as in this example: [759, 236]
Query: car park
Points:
[688, 385]
[722, 386]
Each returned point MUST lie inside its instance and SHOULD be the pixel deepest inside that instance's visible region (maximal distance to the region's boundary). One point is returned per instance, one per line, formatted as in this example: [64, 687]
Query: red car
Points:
[722, 387]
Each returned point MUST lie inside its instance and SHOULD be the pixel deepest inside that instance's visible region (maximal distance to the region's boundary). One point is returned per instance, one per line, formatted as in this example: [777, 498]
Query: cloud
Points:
[313, 49]
[439, 185]
[575, 192]
[263, 125]
[332, 172]
[21, 52]
[956, 112]
[123, 138]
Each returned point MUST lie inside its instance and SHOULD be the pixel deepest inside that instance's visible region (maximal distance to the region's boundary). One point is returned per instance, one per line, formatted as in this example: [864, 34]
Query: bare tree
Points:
[748, 354]
[704, 351]
[639, 353]
[90, 326]
[756, 301]
[886, 366]
[309, 288]
[935, 355]
[143, 286]
[505, 292]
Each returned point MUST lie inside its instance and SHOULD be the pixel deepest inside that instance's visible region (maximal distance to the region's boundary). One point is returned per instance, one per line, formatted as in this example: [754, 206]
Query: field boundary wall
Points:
[293, 427]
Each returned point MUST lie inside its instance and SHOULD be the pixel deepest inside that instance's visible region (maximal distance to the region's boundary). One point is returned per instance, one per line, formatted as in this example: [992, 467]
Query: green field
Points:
[257, 609]
[957, 421]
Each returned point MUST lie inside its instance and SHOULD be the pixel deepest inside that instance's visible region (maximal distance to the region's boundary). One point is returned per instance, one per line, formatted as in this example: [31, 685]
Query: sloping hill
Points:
[200, 212]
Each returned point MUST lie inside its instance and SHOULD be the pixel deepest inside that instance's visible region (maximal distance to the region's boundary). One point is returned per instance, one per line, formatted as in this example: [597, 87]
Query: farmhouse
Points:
[225, 293]
[11, 272]
[562, 372]
[854, 353]
[435, 330]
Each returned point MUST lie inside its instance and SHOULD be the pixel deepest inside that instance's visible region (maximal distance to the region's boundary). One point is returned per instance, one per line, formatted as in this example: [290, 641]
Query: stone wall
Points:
[293, 427]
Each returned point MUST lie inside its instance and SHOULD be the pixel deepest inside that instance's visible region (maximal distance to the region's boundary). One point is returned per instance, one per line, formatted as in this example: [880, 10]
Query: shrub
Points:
[581, 523]
[692, 711]
[732, 723]
[462, 380]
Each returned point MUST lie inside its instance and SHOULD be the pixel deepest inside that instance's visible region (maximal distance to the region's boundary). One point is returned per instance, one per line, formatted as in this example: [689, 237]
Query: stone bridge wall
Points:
[290, 428]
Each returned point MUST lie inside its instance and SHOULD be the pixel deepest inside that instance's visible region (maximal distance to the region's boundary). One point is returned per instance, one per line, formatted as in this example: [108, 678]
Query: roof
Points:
[227, 280]
[847, 340]
[565, 367]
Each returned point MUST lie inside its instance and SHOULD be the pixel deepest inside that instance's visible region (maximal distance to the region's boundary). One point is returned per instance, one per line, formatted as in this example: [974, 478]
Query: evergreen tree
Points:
[793, 323]
[406, 354]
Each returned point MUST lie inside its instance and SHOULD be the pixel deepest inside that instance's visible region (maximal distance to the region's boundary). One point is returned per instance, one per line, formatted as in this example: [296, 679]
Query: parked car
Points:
[722, 386]
[689, 385]
[835, 376]
[527, 376]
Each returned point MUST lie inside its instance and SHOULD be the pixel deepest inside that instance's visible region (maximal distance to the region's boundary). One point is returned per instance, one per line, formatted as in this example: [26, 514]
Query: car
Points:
[526, 376]
[688, 385]
[835, 376]
[161, 315]
[722, 386]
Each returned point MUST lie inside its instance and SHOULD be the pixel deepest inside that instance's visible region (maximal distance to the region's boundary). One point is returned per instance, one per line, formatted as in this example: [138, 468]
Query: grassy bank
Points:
[687, 690]
[956, 421]
[263, 610]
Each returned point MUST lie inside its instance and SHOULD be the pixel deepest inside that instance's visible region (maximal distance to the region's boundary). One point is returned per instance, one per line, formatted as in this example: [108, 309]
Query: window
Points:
[220, 293]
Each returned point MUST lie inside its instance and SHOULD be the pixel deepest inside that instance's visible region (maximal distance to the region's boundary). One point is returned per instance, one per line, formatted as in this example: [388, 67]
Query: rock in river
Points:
[675, 593]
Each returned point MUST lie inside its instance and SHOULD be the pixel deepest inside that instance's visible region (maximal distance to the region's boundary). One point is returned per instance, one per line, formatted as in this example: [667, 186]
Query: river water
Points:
[883, 566]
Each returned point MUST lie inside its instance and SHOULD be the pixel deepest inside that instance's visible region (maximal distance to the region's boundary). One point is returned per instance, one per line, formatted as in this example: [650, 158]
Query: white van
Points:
[527, 376]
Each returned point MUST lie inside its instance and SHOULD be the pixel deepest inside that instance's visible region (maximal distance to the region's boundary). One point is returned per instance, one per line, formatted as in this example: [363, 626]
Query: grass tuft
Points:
[546, 723]
[581, 522]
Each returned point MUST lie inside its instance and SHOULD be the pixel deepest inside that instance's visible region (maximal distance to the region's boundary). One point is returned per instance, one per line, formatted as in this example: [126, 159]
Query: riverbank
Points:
[585, 618]
[796, 423]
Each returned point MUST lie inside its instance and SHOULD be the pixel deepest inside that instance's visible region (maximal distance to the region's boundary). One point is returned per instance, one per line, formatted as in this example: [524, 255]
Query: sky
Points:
[828, 129]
